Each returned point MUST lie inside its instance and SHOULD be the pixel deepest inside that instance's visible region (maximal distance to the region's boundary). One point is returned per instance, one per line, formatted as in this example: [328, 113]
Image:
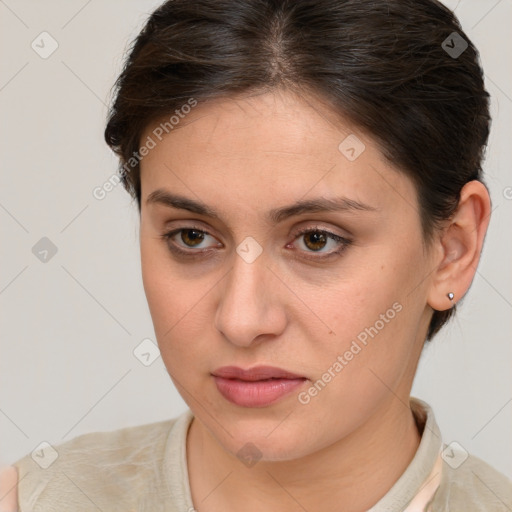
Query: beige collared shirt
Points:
[144, 469]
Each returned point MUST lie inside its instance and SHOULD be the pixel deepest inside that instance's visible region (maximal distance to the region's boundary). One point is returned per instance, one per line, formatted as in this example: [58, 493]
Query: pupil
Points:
[317, 238]
[192, 236]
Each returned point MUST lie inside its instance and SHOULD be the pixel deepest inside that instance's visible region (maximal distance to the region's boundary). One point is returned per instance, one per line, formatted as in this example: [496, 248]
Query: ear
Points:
[460, 246]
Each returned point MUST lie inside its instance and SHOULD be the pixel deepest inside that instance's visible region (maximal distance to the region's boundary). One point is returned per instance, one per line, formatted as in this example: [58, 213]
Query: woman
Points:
[307, 223]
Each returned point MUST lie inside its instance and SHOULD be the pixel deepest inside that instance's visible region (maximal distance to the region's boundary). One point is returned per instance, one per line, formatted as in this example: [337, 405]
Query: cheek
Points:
[362, 366]
[154, 278]
[178, 306]
[375, 316]
[166, 291]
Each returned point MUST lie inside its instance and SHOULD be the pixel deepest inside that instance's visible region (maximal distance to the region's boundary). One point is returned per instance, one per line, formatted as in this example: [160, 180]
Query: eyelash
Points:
[345, 242]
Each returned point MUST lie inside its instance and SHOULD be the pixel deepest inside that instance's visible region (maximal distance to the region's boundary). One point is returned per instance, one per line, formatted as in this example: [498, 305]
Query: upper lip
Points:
[255, 373]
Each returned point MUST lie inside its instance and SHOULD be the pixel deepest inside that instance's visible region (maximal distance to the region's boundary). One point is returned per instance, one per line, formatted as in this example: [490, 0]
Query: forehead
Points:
[278, 121]
[273, 147]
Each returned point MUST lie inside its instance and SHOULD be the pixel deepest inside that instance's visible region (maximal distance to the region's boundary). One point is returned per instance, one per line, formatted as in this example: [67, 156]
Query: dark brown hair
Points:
[394, 68]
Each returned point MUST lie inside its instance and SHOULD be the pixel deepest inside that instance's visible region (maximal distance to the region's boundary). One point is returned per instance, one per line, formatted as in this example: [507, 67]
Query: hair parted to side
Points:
[378, 63]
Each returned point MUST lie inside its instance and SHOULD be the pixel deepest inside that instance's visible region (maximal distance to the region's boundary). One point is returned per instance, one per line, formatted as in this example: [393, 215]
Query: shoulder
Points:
[473, 485]
[94, 470]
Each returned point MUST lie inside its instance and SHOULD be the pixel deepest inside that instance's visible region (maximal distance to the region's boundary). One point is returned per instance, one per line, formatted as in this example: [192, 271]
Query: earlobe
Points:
[440, 301]
[461, 244]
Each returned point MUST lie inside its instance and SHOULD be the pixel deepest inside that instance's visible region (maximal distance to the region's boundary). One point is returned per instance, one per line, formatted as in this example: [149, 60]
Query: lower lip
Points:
[259, 393]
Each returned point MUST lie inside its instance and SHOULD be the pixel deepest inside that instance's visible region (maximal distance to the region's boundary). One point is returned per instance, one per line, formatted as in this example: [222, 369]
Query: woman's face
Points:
[342, 306]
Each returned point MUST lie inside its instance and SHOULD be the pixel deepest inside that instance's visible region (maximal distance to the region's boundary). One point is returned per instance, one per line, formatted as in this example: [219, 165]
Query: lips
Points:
[256, 373]
[255, 387]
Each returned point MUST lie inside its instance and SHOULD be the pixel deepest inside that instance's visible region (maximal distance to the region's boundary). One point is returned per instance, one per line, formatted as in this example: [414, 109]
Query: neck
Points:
[352, 474]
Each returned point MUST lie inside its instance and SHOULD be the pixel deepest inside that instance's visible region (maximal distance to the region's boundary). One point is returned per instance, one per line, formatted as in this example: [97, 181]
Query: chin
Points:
[253, 449]
[263, 439]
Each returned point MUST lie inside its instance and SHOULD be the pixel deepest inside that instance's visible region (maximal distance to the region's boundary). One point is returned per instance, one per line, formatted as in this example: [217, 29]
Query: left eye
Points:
[314, 240]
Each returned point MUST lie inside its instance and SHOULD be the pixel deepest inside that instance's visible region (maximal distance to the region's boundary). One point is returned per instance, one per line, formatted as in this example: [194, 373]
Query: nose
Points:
[250, 309]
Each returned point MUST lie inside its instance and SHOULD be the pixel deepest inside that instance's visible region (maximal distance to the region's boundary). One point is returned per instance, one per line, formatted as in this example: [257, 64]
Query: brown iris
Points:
[192, 237]
[317, 240]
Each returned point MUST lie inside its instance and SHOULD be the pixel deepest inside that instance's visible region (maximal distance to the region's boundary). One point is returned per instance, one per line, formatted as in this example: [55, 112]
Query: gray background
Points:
[70, 325]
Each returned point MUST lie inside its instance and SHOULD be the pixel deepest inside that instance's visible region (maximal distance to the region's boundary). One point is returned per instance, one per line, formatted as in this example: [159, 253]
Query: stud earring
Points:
[450, 295]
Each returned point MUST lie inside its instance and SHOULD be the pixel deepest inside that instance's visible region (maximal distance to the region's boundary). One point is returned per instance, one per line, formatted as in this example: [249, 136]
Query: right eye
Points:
[189, 238]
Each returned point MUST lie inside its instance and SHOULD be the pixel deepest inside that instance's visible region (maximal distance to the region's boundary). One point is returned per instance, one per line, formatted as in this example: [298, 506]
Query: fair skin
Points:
[289, 308]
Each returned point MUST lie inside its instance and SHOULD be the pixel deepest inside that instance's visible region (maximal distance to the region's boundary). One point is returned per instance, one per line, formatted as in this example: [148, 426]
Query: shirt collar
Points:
[422, 476]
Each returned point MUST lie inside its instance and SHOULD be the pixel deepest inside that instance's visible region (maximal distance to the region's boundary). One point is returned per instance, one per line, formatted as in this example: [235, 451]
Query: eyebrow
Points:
[321, 204]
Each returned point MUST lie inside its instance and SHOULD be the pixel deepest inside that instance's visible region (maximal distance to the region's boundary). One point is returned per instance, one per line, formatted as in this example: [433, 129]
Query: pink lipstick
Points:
[259, 386]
